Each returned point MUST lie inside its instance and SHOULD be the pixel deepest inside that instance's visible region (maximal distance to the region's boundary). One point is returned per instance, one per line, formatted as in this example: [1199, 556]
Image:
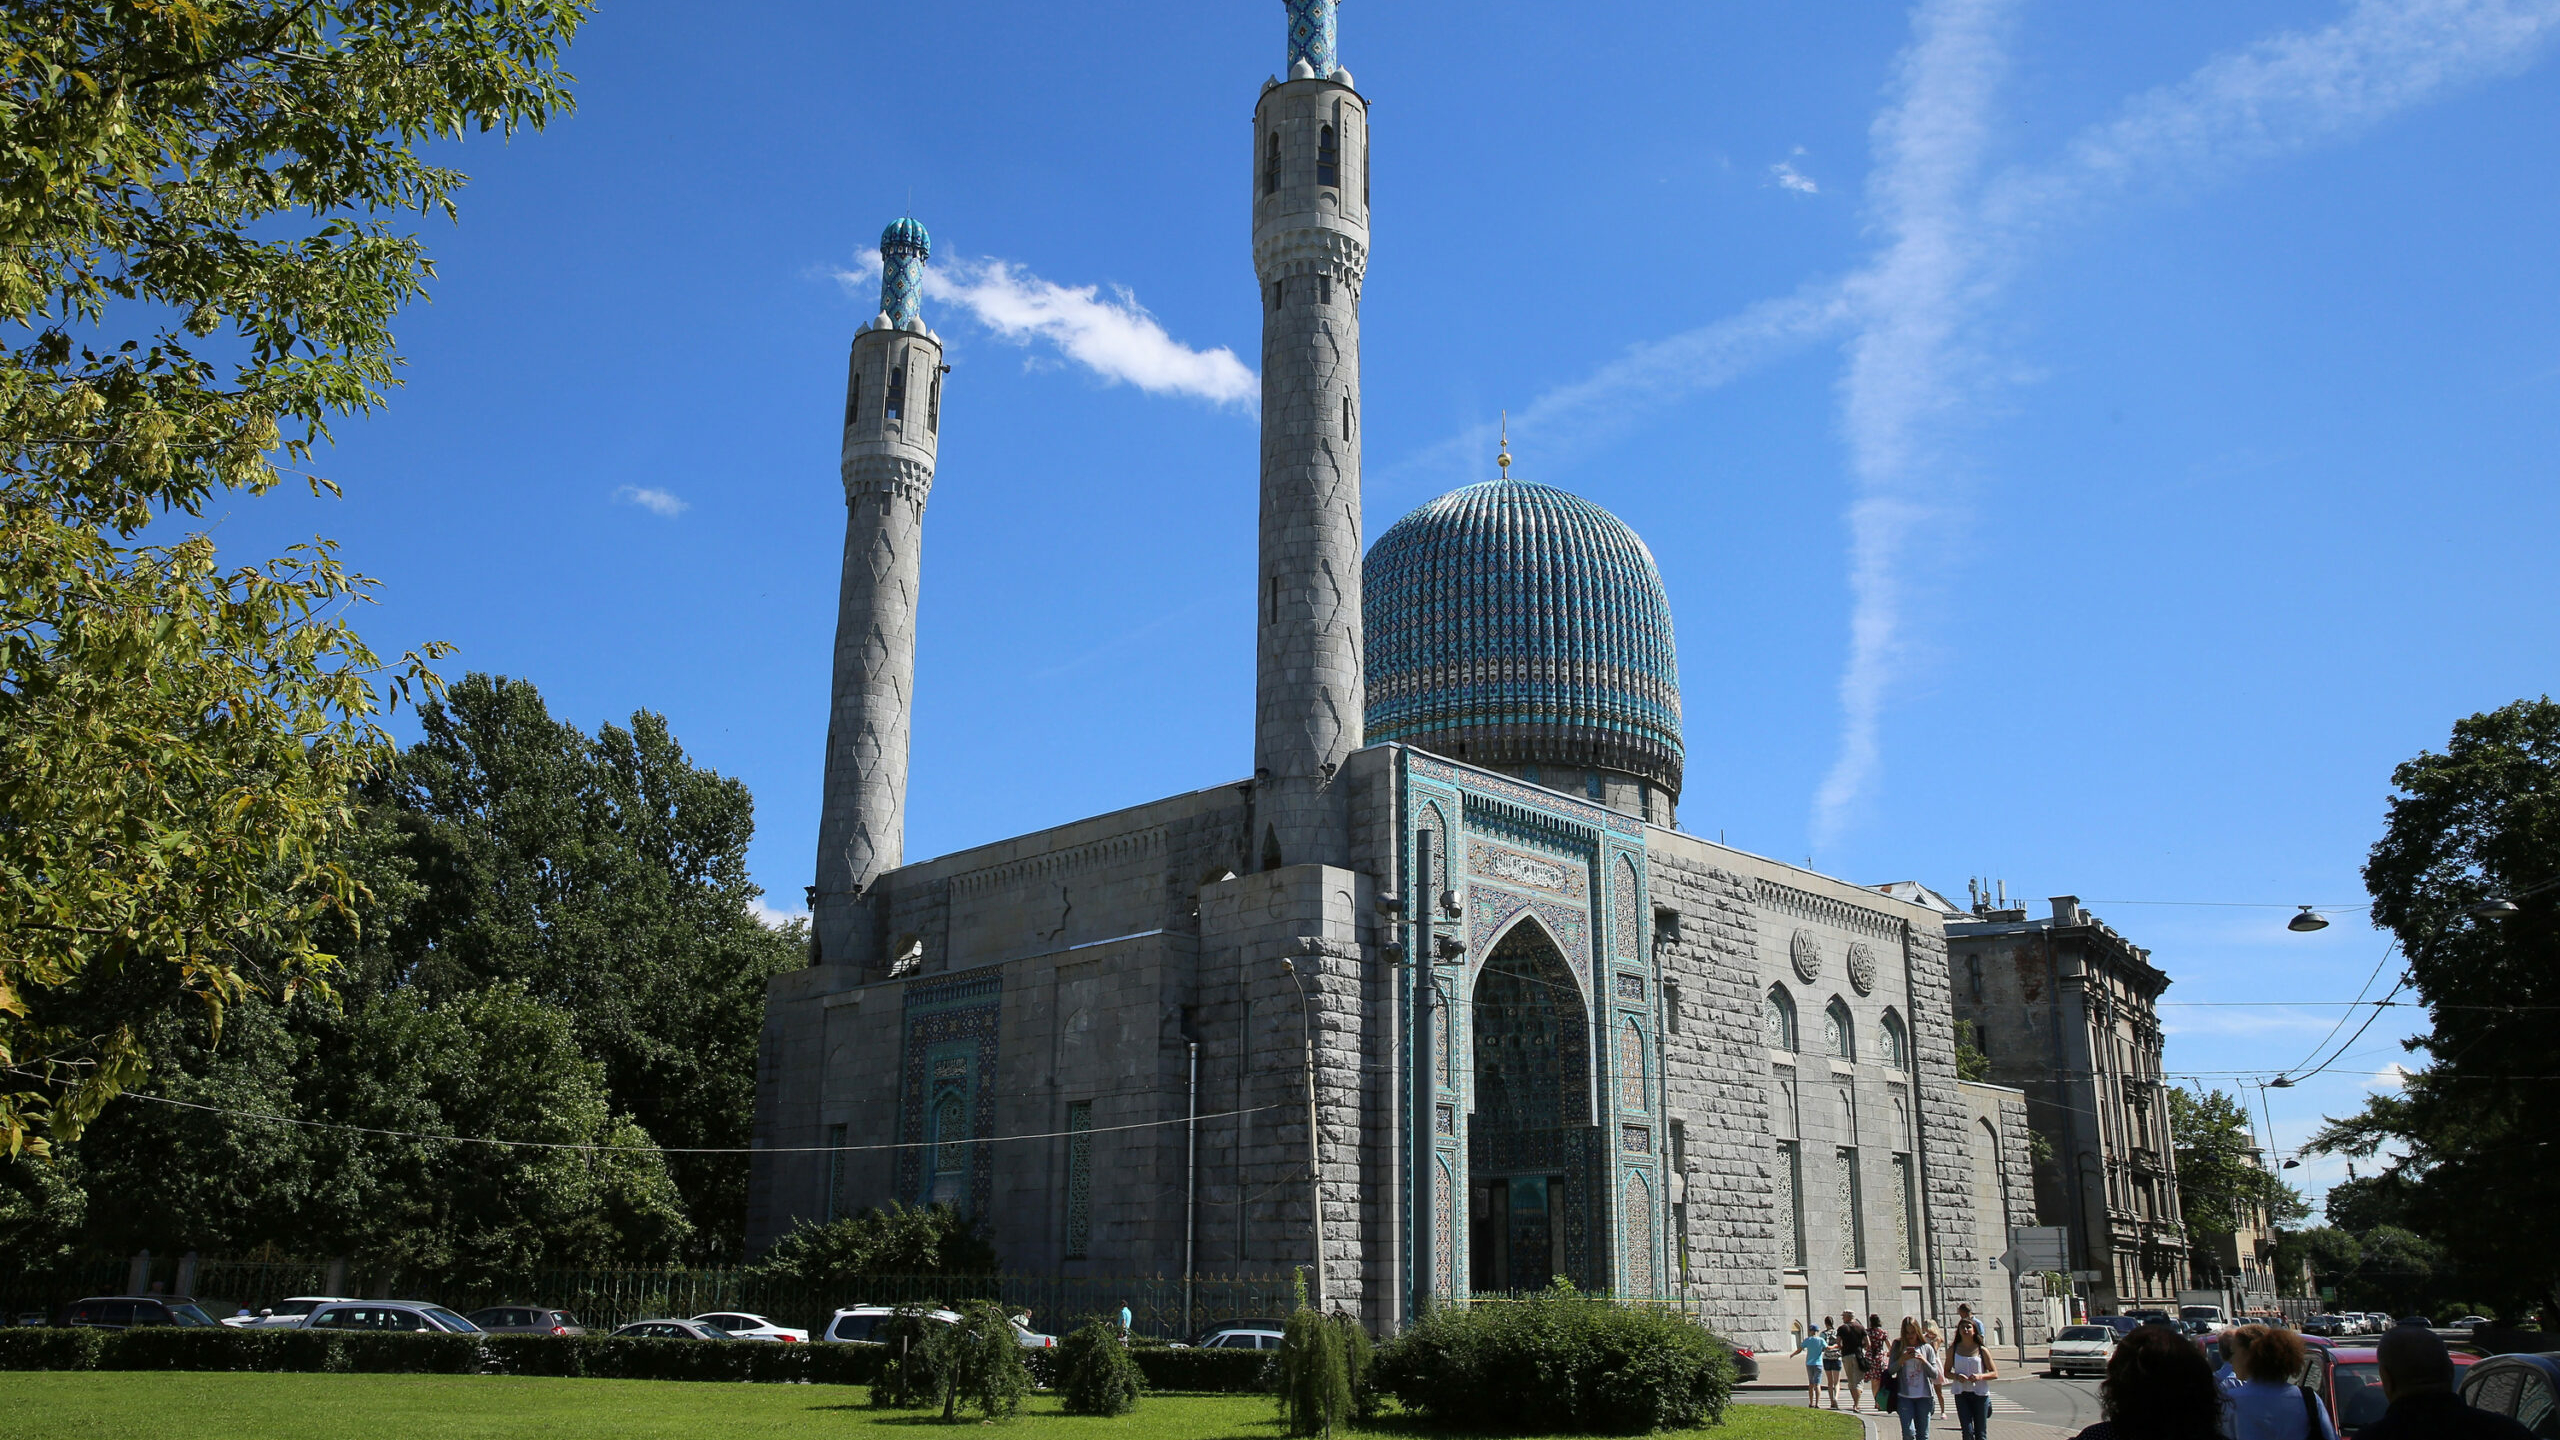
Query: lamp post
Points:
[1315, 1137]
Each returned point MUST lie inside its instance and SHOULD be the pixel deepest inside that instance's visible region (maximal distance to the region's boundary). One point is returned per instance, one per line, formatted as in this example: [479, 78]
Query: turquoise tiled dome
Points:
[1513, 624]
[906, 234]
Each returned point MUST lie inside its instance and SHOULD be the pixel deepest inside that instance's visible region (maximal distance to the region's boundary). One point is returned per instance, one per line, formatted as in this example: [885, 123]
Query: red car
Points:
[2346, 1377]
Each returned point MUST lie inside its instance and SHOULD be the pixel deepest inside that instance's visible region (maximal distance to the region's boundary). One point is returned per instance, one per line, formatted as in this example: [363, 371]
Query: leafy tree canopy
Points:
[2474, 1124]
[200, 257]
[900, 1240]
[2223, 1183]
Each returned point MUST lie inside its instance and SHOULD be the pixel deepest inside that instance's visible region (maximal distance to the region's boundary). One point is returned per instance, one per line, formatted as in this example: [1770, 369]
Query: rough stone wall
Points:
[1945, 1169]
[2017, 1173]
[1310, 251]
[1716, 1083]
[888, 472]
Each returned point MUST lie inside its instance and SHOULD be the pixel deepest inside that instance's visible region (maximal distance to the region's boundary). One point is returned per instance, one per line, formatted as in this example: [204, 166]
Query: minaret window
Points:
[1346, 417]
[1279, 294]
[898, 392]
[1271, 166]
[1328, 158]
[1364, 169]
[1324, 289]
[933, 406]
[853, 412]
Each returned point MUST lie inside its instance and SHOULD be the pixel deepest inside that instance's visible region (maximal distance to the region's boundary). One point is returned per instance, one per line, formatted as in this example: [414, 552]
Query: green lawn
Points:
[111, 1405]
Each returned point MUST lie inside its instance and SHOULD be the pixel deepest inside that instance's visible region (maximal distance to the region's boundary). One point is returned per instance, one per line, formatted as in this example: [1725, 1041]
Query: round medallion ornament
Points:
[1807, 955]
[1862, 969]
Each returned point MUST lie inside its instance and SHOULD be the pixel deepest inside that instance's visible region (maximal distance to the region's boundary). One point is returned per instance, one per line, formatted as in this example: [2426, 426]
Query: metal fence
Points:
[1160, 1306]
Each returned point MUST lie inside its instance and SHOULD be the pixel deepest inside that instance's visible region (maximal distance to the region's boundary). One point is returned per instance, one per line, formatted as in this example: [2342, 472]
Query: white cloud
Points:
[1790, 178]
[657, 502]
[2390, 1077]
[1113, 336]
[773, 917]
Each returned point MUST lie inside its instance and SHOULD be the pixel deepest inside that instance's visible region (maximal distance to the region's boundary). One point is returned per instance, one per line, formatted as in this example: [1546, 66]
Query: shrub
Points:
[604, 1357]
[986, 1368]
[911, 1359]
[46, 1348]
[1215, 1372]
[1315, 1389]
[1557, 1363]
[1096, 1375]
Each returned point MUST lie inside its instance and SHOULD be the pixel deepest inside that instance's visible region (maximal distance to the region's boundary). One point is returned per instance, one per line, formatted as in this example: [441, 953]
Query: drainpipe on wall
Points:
[1190, 1187]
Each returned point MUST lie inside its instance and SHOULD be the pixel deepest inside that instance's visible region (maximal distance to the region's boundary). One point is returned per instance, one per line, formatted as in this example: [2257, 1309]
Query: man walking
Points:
[1853, 1353]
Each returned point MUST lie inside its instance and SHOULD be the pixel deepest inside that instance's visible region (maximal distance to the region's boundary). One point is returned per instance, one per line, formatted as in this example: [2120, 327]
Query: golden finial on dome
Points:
[1504, 458]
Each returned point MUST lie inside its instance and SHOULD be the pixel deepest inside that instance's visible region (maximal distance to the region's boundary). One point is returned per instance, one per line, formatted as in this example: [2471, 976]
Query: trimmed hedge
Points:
[1216, 1372]
[599, 1357]
[1557, 1363]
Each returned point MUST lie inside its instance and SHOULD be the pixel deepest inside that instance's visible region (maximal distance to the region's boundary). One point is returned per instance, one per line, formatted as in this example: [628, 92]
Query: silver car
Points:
[404, 1315]
[287, 1314]
[2081, 1349]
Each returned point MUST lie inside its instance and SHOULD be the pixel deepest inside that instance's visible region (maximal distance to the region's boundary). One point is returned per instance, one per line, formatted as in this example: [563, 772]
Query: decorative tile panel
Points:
[1630, 987]
[1079, 1179]
[1630, 1067]
[1635, 1140]
[1635, 1235]
[949, 1054]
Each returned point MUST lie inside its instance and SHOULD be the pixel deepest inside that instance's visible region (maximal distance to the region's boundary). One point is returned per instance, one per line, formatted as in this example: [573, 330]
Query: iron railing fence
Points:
[1160, 1306]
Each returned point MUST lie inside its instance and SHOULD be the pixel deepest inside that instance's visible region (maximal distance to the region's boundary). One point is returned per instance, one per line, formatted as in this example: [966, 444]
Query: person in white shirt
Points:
[1969, 1370]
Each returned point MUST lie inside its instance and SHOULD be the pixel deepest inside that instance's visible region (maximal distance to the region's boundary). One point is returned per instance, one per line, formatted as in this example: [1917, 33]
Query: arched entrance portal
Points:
[1531, 1146]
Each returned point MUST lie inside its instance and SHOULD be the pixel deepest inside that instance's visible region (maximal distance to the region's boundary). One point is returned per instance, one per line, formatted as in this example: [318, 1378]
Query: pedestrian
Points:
[1970, 1371]
[2233, 1341]
[2418, 1381]
[1877, 1340]
[1853, 1354]
[1913, 1373]
[1831, 1362]
[2266, 1404]
[1812, 1346]
[2158, 1387]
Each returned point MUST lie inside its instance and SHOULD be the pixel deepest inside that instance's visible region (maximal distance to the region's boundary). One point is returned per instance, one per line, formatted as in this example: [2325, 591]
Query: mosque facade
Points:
[1439, 1001]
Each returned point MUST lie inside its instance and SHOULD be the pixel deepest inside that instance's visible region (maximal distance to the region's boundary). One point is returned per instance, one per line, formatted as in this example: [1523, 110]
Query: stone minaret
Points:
[1310, 248]
[892, 419]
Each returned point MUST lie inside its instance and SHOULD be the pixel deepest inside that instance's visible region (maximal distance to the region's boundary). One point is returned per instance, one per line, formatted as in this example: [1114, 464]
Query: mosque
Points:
[1439, 1000]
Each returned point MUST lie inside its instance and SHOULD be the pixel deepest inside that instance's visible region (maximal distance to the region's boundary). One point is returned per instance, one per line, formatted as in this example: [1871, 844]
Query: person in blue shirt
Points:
[2266, 1404]
[1815, 1344]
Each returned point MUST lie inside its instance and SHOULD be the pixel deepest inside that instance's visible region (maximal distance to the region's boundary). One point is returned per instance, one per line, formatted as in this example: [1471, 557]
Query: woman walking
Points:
[2266, 1404]
[2158, 1387]
[1877, 1341]
[1913, 1374]
[1831, 1359]
[1970, 1371]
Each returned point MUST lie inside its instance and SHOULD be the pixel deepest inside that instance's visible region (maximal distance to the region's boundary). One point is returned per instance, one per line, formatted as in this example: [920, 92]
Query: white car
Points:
[285, 1314]
[751, 1327]
[854, 1326]
[1242, 1339]
[2078, 1348]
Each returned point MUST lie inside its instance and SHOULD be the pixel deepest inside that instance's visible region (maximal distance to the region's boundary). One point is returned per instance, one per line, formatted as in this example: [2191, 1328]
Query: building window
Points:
[834, 1200]
[1364, 169]
[1279, 293]
[897, 392]
[1324, 289]
[1853, 1238]
[1906, 1220]
[1779, 1019]
[1328, 159]
[1679, 1183]
[1839, 1032]
[1079, 1179]
[1271, 166]
[853, 399]
[1346, 417]
[1897, 1044]
[933, 406]
[1791, 1204]
[1671, 1007]
[1594, 786]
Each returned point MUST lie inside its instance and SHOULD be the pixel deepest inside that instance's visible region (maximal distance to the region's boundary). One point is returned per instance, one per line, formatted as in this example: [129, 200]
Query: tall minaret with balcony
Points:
[1310, 249]
[892, 419]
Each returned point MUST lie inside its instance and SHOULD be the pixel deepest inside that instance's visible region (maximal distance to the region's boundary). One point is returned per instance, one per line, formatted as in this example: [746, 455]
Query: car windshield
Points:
[189, 1315]
[2360, 1397]
[2085, 1332]
[450, 1321]
[853, 1327]
[294, 1307]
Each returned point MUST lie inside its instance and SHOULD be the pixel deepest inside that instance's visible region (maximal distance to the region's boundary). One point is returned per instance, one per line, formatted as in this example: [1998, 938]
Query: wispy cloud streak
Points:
[656, 502]
[1113, 336]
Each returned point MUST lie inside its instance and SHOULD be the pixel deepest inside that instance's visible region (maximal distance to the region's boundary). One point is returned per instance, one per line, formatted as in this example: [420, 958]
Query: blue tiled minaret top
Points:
[1513, 624]
[1311, 34]
[904, 247]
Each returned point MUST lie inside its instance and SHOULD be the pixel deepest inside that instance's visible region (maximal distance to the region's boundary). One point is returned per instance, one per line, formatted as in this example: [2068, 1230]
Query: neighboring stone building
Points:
[2242, 1263]
[1553, 1033]
[2063, 1009]
[2004, 1200]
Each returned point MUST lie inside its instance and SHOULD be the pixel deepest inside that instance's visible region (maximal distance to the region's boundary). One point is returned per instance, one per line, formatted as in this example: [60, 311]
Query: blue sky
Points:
[2085, 446]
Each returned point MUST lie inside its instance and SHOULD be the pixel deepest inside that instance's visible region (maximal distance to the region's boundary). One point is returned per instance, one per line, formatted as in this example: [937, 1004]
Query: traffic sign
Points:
[2038, 1247]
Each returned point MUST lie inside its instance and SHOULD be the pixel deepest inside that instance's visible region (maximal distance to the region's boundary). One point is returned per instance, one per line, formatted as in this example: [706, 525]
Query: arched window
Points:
[1271, 166]
[898, 392]
[933, 406]
[1839, 1032]
[1897, 1043]
[1780, 1019]
[1328, 159]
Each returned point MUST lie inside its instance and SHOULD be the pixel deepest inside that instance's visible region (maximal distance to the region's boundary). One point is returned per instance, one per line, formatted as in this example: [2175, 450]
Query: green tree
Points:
[1972, 1063]
[200, 204]
[1095, 1374]
[2223, 1184]
[900, 1240]
[2474, 1123]
[608, 877]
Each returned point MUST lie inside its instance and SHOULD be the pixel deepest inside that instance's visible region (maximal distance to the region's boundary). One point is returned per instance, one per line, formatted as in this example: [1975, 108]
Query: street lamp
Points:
[1315, 1150]
[2308, 921]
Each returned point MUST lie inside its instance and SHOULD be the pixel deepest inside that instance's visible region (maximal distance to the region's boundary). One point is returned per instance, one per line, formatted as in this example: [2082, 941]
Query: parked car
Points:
[526, 1320]
[752, 1327]
[2467, 1321]
[1235, 1338]
[671, 1330]
[2121, 1324]
[1746, 1366]
[2349, 1381]
[2076, 1349]
[410, 1315]
[2524, 1388]
[854, 1325]
[2421, 1321]
[287, 1314]
[123, 1312]
[2325, 1325]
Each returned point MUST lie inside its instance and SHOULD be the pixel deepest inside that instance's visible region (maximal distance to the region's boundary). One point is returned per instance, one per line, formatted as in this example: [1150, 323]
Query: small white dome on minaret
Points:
[882, 321]
[1344, 76]
[1299, 69]
[915, 324]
